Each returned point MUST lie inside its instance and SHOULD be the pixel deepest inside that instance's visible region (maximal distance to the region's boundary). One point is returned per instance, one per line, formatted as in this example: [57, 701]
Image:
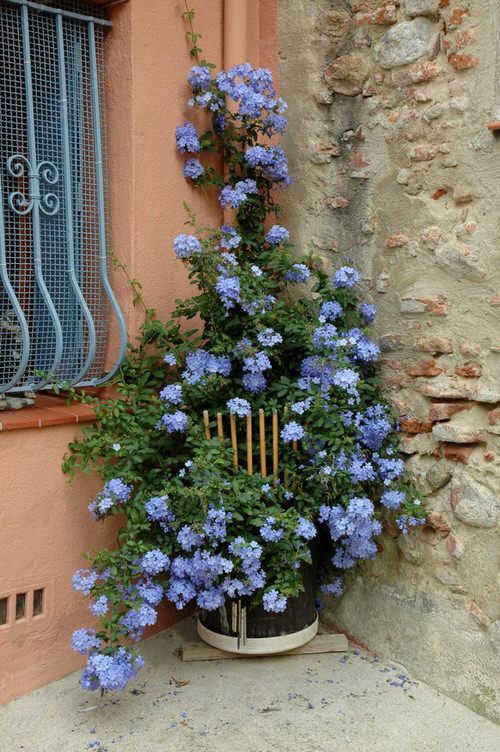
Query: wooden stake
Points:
[234, 438]
[262, 431]
[220, 427]
[206, 422]
[275, 445]
[249, 445]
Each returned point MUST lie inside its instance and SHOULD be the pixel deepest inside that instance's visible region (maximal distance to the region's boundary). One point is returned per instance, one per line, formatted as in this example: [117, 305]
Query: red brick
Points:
[412, 425]
[458, 16]
[465, 37]
[457, 453]
[424, 368]
[469, 370]
[437, 522]
[396, 241]
[495, 301]
[436, 307]
[439, 193]
[462, 62]
[337, 202]
[444, 410]
[384, 16]
[494, 417]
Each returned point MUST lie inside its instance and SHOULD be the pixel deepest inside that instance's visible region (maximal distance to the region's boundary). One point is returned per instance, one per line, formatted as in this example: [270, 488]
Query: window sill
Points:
[49, 410]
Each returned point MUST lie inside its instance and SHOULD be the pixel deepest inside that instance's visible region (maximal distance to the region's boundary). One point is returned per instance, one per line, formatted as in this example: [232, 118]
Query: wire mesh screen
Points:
[54, 292]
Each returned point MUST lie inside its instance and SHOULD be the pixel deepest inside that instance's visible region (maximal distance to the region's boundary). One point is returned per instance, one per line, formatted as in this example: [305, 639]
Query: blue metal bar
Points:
[55, 11]
[34, 183]
[69, 202]
[4, 276]
[96, 119]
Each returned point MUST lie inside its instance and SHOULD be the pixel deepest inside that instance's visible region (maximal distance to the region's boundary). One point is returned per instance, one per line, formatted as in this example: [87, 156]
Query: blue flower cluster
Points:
[273, 601]
[235, 195]
[277, 234]
[200, 364]
[269, 532]
[238, 406]
[186, 137]
[185, 245]
[297, 273]
[115, 491]
[353, 529]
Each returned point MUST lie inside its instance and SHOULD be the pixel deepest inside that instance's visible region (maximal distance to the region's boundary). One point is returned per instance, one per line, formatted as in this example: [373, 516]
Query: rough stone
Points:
[404, 43]
[444, 410]
[391, 342]
[438, 476]
[434, 345]
[457, 434]
[447, 577]
[415, 8]
[347, 74]
[473, 503]
[488, 390]
[336, 25]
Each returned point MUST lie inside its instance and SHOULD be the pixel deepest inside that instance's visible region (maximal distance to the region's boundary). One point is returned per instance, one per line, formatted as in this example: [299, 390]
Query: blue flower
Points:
[199, 77]
[84, 640]
[236, 195]
[100, 606]
[150, 592]
[137, 618]
[277, 235]
[335, 588]
[172, 393]
[330, 310]
[297, 273]
[186, 138]
[187, 538]
[368, 312]
[392, 499]
[193, 168]
[230, 238]
[154, 562]
[254, 382]
[110, 672]
[84, 580]
[157, 509]
[268, 337]
[176, 421]
[301, 407]
[215, 523]
[201, 363]
[292, 432]
[305, 529]
[228, 289]
[274, 602]
[170, 359]
[346, 276]
[269, 533]
[238, 406]
[185, 245]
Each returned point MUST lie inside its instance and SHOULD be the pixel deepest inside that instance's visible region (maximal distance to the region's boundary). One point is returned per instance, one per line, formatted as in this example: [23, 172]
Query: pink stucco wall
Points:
[44, 521]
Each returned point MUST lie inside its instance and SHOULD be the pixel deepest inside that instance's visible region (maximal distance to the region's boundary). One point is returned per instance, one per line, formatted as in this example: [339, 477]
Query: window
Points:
[55, 296]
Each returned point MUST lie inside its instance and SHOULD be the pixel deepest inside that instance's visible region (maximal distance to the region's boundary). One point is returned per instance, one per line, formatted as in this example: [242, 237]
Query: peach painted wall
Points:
[44, 522]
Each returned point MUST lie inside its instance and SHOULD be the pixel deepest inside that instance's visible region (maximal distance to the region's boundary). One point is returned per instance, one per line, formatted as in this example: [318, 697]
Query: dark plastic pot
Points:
[239, 627]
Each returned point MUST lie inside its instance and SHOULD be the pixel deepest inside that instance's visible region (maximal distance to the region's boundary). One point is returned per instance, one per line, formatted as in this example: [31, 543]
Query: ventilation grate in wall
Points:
[25, 606]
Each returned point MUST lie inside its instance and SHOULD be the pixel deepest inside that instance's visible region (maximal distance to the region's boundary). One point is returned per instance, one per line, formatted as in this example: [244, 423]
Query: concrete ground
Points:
[334, 702]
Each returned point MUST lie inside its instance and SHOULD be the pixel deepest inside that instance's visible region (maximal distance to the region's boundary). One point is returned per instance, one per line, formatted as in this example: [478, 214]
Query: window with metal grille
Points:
[55, 295]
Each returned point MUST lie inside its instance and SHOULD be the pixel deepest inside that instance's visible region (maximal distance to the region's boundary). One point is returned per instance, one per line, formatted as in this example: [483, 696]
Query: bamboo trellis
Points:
[248, 440]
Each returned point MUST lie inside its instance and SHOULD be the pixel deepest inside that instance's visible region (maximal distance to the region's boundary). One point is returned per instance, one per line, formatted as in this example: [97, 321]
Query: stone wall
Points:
[396, 170]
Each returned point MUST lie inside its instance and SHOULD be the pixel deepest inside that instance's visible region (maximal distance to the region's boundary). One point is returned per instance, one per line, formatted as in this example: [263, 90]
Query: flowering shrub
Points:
[196, 529]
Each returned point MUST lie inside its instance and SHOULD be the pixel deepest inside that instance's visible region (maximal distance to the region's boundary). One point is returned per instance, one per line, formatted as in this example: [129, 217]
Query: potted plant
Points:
[279, 360]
